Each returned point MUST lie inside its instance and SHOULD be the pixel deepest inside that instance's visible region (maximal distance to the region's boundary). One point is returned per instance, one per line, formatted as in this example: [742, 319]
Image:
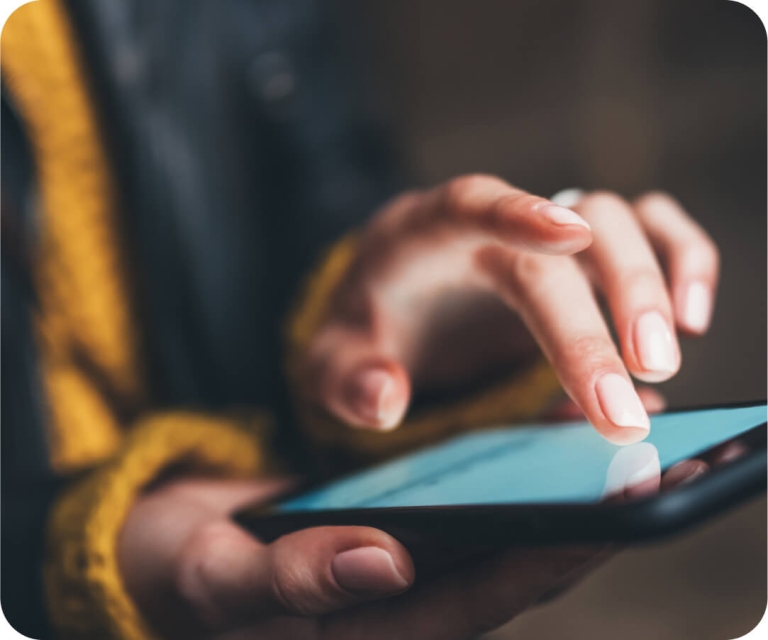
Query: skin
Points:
[197, 575]
[476, 263]
[451, 285]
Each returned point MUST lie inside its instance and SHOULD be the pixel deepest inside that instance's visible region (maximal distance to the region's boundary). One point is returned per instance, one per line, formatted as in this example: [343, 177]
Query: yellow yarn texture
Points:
[88, 342]
[89, 348]
[85, 592]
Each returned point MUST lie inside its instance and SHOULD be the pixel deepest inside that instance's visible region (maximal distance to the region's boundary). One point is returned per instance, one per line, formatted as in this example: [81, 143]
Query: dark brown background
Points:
[624, 95]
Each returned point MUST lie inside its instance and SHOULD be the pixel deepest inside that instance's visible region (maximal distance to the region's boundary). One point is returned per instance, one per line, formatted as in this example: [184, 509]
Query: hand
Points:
[196, 575]
[447, 281]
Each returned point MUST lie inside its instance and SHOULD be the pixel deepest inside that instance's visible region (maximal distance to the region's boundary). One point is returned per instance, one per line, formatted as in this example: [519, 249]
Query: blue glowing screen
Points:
[560, 463]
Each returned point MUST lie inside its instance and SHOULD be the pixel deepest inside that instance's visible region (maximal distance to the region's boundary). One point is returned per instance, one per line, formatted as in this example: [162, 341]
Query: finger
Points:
[349, 374]
[226, 576]
[683, 472]
[555, 300]
[521, 220]
[625, 267]
[634, 471]
[466, 602]
[727, 452]
[652, 400]
[690, 255]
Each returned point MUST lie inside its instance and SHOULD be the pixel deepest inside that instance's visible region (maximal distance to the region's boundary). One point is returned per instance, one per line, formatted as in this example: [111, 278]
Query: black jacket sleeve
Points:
[243, 146]
[28, 483]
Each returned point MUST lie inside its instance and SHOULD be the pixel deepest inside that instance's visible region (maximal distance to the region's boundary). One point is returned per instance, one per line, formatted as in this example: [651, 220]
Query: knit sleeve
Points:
[85, 592]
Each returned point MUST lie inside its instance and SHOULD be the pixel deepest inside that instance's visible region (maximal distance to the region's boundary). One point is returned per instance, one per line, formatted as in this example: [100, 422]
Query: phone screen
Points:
[556, 463]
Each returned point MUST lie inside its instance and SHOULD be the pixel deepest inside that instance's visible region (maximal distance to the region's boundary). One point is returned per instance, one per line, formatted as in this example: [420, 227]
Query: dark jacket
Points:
[241, 146]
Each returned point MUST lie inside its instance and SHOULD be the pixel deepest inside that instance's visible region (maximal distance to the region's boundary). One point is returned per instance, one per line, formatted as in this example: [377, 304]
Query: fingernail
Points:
[373, 397]
[568, 198]
[655, 343]
[562, 216]
[698, 307]
[368, 571]
[620, 402]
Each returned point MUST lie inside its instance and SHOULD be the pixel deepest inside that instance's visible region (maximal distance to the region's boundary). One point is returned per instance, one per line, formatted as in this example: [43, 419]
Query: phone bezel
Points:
[550, 523]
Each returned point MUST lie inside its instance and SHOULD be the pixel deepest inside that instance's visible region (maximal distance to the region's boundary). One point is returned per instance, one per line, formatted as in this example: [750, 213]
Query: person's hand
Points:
[447, 280]
[195, 574]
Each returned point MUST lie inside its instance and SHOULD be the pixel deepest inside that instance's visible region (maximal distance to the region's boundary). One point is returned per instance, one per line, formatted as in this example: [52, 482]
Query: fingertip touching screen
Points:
[532, 464]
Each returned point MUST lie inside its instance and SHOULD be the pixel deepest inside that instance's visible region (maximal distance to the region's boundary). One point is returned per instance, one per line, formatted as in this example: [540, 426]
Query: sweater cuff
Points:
[520, 397]
[84, 588]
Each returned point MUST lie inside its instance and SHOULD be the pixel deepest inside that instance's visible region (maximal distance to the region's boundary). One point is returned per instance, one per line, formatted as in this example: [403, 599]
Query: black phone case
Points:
[542, 524]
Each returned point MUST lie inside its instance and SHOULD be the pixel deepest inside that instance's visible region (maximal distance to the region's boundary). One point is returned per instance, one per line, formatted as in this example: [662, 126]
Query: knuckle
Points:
[592, 352]
[701, 256]
[603, 200]
[288, 591]
[710, 253]
[530, 276]
[501, 209]
[528, 268]
[294, 586]
[395, 207]
[536, 270]
[513, 202]
[459, 192]
[640, 279]
[654, 199]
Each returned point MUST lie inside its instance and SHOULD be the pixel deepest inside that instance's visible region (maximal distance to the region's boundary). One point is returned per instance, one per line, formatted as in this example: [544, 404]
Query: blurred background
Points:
[629, 96]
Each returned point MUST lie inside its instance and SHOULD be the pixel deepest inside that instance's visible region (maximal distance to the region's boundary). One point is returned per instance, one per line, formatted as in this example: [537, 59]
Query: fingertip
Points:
[566, 232]
[624, 435]
[377, 396]
[324, 569]
[540, 225]
[564, 241]
[562, 217]
[368, 571]
[624, 419]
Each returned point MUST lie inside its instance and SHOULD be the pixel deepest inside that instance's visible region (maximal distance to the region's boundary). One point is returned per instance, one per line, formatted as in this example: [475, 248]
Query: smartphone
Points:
[543, 483]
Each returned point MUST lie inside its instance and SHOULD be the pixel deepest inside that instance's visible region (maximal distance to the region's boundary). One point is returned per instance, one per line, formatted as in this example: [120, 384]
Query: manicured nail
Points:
[698, 307]
[368, 571]
[655, 343]
[562, 216]
[568, 198]
[372, 396]
[620, 402]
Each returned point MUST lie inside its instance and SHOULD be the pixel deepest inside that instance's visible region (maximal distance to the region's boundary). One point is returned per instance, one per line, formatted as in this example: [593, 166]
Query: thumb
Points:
[228, 578]
[350, 375]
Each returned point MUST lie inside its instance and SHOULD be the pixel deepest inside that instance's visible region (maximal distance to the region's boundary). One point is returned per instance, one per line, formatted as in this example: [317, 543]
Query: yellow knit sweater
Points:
[101, 427]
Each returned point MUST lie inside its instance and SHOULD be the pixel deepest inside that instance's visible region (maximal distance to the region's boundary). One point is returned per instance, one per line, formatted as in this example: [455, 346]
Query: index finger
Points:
[500, 211]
